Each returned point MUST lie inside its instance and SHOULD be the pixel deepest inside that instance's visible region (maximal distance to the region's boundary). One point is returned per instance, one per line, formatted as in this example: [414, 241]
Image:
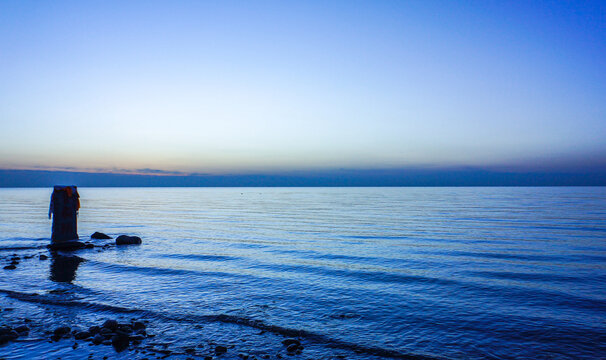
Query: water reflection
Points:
[63, 268]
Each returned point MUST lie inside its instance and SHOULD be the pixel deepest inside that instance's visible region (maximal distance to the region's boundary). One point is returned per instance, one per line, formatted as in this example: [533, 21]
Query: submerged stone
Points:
[120, 341]
[110, 324]
[99, 235]
[128, 240]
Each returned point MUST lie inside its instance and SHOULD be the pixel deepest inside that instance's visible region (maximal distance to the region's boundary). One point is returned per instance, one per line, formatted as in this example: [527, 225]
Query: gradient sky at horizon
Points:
[247, 86]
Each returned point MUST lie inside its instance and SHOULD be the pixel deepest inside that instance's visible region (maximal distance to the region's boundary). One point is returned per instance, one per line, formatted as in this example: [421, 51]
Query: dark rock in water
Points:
[7, 334]
[94, 330]
[66, 245]
[220, 350]
[10, 267]
[61, 331]
[88, 245]
[99, 235]
[110, 324]
[5, 330]
[81, 335]
[128, 240]
[43, 257]
[23, 329]
[120, 341]
[137, 325]
[107, 333]
[98, 339]
[292, 348]
[125, 328]
[288, 342]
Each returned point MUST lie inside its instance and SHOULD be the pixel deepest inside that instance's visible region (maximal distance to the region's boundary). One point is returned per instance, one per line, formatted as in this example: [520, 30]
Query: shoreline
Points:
[232, 337]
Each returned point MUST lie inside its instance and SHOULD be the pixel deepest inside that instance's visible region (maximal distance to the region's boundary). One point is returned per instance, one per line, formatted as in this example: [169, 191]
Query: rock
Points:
[7, 334]
[125, 328]
[120, 341]
[220, 350]
[10, 267]
[61, 331]
[110, 324]
[93, 330]
[99, 235]
[23, 329]
[4, 330]
[66, 245]
[98, 339]
[75, 346]
[107, 333]
[292, 348]
[288, 342]
[138, 325]
[43, 257]
[82, 335]
[128, 240]
[88, 245]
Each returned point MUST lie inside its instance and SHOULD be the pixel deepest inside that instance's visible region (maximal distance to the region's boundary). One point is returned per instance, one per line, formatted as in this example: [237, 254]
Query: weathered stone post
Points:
[64, 205]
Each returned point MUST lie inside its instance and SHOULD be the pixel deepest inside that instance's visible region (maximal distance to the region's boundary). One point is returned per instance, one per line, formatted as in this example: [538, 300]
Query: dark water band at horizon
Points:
[444, 272]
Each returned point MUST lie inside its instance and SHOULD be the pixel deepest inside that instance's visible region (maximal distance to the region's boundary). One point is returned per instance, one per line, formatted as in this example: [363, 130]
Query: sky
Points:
[228, 87]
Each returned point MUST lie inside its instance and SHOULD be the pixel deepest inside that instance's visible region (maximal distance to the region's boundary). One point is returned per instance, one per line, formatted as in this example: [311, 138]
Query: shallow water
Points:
[441, 272]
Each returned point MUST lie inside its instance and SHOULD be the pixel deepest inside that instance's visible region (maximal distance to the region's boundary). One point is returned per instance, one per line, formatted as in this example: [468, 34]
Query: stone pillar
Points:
[64, 206]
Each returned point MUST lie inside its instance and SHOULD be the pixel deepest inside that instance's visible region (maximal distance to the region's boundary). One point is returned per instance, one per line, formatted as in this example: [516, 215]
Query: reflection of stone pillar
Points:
[64, 206]
[63, 268]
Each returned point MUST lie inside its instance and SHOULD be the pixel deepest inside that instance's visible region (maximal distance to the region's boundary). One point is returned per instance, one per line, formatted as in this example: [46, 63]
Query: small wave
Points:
[17, 248]
[525, 276]
[198, 257]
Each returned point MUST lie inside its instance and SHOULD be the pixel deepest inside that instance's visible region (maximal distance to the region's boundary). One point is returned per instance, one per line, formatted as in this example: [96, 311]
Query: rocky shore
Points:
[112, 337]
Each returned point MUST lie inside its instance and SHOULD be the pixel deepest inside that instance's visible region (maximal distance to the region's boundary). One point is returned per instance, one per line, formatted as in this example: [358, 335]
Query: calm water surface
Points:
[456, 273]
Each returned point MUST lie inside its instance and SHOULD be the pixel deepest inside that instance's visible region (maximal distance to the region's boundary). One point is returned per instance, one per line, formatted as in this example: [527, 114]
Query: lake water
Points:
[455, 273]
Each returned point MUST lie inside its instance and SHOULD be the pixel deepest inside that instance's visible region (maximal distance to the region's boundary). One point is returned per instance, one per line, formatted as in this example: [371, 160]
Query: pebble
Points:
[61, 331]
[110, 324]
[81, 335]
[219, 350]
[120, 341]
[288, 342]
[23, 329]
[98, 339]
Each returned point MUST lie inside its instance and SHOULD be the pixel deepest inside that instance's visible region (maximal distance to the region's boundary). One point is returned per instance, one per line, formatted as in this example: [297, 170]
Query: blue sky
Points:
[224, 87]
